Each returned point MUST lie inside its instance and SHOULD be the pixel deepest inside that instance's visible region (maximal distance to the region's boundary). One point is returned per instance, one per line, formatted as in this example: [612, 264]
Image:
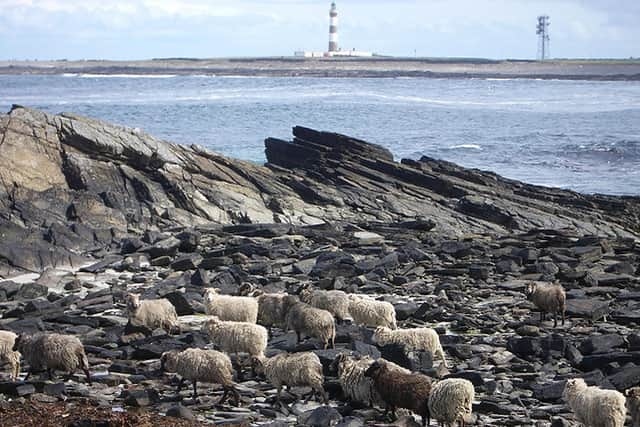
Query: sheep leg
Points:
[333, 342]
[88, 375]
[236, 396]
[563, 315]
[224, 396]
[195, 390]
[278, 392]
[542, 313]
[180, 384]
[50, 373]
[298, 337]
[29, 372]
[555, 319]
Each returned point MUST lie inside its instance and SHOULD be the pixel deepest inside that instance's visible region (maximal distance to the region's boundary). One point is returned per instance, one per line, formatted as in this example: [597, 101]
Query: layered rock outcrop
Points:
[71, 186]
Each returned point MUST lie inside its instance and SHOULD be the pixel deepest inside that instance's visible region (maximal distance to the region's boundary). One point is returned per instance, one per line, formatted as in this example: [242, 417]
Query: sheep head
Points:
[133, 301]
[168, 360]
[375, 369]
[572, 386]
[530, 289]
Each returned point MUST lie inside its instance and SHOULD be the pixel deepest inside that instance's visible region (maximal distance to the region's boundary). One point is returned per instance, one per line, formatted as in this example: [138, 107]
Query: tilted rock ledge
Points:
[71, 185]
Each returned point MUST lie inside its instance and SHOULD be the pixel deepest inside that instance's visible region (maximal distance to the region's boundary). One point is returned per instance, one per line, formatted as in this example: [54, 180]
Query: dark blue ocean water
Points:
[581, 135]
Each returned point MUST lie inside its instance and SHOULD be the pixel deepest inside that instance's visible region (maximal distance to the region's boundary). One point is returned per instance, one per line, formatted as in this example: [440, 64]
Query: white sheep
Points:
[313, 322]
[451, 401]
[53, 351]
[195, 364]
[152, 314]
[369, 312]
[548, 297]
[8, 355]
[335, 302]
[293, 370]
[633, 403]
[237, 337]
[413, 339]
[228, 307]
[593, 406]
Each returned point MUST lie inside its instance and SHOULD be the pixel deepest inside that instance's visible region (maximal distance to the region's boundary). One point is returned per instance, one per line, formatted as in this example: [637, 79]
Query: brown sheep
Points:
[548, 298]
[401, 390]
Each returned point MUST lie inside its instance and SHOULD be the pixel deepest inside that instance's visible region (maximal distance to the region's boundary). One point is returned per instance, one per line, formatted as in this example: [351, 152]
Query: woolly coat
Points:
[549, 298]
[152, 314]
[293, 369]
[237, 337]
[195, 364]
[369, 312]
[335, 302]
[53, 352]
[8, 355]
[228, 307]
[451, 400]
[272, 309]
[355, 386]
[313, 322]
[412, 339]
[593, 406]
[400, 389]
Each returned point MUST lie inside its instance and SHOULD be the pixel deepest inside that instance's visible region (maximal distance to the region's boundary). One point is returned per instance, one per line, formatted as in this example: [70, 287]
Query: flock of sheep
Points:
[238, 325]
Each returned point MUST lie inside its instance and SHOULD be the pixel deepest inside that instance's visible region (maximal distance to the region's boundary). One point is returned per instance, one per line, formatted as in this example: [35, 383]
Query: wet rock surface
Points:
[128, 213]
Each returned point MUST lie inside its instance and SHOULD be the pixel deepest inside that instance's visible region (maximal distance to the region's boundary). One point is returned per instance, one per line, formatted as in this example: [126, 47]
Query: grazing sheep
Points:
[53, 351]
[633, 403]
[401, 390]
[355, 386]
[335, 302]
[152, 314]
[293, 369]
[412, 339]
[314, 322]
[593, 406]
[237, 337]
[195, 364]
[369, 312]
[228, 307]
[8, 355]
[451, 401]
[548, 298]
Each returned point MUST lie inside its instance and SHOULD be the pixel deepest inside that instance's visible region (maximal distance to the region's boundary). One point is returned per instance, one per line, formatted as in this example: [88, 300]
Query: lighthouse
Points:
[333, 28]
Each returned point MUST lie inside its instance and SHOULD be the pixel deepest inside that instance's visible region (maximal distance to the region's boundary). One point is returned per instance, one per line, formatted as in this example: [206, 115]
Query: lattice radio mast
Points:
[542, 30]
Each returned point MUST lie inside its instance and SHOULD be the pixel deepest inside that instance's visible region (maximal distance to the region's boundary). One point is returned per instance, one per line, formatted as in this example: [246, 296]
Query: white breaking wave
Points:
[125, 76]
[466, 146]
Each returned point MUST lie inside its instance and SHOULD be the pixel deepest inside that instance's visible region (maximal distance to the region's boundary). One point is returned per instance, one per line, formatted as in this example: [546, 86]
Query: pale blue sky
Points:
[141, 29]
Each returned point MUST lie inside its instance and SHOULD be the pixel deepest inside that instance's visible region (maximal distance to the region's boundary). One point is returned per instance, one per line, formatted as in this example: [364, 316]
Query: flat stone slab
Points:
[589, 308]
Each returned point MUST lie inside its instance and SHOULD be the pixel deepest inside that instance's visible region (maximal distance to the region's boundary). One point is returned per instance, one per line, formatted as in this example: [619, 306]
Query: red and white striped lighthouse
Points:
[333, 28]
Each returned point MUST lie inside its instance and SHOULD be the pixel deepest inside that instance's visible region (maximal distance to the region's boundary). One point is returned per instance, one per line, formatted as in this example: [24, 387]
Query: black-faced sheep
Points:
[413, 339]
[401, 390]
[451, 401]
[594, 406]
[228, 307]
[152, 314]
[209, 366]
[549, 298]
[52, 352]
[8, 355]
[293, 370]
[310, 321]
[369, 312]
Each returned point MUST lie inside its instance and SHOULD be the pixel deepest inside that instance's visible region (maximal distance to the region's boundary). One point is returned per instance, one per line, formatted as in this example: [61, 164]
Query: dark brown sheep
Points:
[401, 390]
[548, 298]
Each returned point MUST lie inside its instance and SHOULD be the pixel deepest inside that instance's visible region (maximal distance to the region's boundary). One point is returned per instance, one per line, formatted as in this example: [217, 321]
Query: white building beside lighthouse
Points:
[334, 49]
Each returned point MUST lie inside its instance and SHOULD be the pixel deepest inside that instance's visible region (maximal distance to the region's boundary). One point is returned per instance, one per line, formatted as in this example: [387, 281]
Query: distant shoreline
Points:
[377, 67]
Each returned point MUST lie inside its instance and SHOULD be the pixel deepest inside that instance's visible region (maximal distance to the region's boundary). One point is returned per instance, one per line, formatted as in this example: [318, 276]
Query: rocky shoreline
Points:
[90, 211]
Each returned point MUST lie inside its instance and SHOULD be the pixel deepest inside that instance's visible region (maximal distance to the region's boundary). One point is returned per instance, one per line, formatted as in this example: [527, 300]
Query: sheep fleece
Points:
[7, 340]
[238, 337]
[451, 400]
[412, 339]
[335, 302]
[369, 312]
[159, 313]
[313, 322]
[295, 369]
[54, 351]
[227, 307]
[202, 365]
[593, 406]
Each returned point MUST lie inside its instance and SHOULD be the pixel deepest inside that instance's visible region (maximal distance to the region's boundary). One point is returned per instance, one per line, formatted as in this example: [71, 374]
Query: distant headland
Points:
[567, 69]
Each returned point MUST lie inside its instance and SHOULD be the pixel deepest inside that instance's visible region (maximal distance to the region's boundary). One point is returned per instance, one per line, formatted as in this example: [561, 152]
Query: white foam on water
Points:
[126, 76]
[466, 146]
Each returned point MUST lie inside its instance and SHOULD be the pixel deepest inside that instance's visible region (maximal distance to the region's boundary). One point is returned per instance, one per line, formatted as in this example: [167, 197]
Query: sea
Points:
[580, 135]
